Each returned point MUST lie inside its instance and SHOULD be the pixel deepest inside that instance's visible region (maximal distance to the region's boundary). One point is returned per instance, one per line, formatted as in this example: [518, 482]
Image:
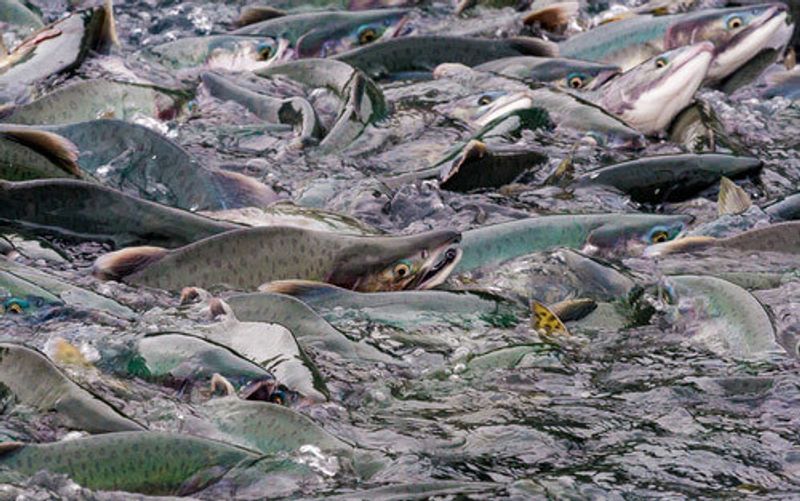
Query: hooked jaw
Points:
[439, 266]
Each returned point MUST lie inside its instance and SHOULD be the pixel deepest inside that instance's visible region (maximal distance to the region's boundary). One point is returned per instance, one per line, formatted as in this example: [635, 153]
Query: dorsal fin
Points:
[58, 149]
[256, 14]
[299, 288]
[732, 198]
[554, 16]
[108, 32]
[121, 263]
[6, 447]
[531, 46]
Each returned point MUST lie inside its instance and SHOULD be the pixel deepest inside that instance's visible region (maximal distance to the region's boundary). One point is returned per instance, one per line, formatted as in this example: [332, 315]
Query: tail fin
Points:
[120, 264]
[732, 198]
[253, 15]
[301, 289]
[553, 17]
[58, 149]
[534, 46]
[545, 321]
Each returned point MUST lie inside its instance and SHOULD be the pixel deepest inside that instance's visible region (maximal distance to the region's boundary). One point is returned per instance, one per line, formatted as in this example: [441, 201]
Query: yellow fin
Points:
[732, 198]
[65, 353]
[545, 321]
[108, 34]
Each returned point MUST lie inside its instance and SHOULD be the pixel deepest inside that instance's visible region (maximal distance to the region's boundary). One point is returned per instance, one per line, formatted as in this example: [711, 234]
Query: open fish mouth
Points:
[437, 271]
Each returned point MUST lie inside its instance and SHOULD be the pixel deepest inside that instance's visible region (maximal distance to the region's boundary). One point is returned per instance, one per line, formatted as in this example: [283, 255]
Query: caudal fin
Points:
[58, 149]
[120, 264]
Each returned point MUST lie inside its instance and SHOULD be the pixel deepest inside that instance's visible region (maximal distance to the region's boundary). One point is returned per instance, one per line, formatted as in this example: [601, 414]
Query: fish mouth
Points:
[601, 78]
[503, 106]
[743, 46]
[439, 266]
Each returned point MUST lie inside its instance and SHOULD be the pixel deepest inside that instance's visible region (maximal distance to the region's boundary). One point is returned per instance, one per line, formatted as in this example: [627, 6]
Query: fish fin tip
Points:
[7, 447]
[119, 264]
[298, 288]
[531, 46]
[681, 245]
[464, 5]
[573, 309]
[57, 148]
[252, 15]
[108, 34]
[732, 198]
[545, 321]
[553, 17]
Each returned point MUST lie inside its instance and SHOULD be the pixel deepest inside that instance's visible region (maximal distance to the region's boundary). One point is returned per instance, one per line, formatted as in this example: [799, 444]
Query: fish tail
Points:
[121, 263]
[58, 149]
[554, 16]
[301, 289]
[531, 46]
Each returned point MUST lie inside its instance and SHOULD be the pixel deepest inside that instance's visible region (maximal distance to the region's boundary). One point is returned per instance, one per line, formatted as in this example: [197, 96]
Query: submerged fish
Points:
[19, 16]
[406, 309]
[92, 99]
[779, 237]
[71, 295]
[670, 178]
[245, 259]
[137, 160]
[787, 209]
[142, 462]
[224, 52]
[738, 34]
[479, 167]
[322, 34]
[492, 245]
[650, 95]
[36, 382]
[566, 73]
[85, 211]
[732, 322]
[424, 53]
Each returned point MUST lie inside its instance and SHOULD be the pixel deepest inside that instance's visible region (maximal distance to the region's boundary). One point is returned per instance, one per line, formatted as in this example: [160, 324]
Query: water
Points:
[622, 412]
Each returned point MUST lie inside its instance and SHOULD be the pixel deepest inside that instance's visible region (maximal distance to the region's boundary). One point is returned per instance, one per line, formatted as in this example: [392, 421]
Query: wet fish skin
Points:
[86, 211]
[245, 259]
[402, 309]
[494, 244]
[787, 209]
[565, 73]
[227, 52]
[669, 178]
[631, 41]
[133, 158]
[89, 99]
[37, 382]
[736, 324]
[142, 462]
[650, 95]
[778, 237]
[322, 34]
[312, 332]
[424, 53]
[480, 167]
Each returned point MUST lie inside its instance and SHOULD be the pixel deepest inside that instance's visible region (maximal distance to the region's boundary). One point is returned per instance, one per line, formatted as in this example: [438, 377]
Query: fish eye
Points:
[575, 81]
[484, 99]
[367, 34]
[265, 50]
[735, 22]
[662, 62]
[15, 306]
[278, 397]
[401, 270]
[659, 236]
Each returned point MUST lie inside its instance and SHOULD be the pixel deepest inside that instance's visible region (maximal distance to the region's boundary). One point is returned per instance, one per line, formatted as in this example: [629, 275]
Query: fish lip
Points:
[439, 265]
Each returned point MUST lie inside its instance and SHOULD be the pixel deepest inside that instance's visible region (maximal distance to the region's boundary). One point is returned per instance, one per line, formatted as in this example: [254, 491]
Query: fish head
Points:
[367, 28]
[247, 53]
[650, 95]
[738, 34]
[633, 234]
[14, 306]
[398, 263]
